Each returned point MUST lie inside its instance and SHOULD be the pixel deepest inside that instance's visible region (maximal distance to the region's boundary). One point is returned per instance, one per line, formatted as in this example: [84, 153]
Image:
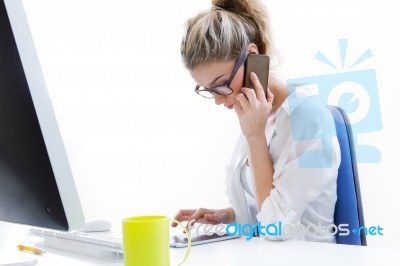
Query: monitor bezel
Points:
[45, 114]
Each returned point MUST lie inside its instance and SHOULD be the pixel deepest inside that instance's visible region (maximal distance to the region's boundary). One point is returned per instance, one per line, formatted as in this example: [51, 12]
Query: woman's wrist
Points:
[256, 138]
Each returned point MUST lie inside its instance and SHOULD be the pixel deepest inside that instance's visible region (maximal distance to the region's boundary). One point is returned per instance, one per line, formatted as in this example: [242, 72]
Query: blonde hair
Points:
[221, 32]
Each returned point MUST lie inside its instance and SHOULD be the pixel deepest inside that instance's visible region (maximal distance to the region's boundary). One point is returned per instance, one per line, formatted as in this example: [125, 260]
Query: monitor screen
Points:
[36, 184]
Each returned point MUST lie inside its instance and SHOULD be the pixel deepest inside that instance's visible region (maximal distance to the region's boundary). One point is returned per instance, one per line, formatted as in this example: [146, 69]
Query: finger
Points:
[270, 96]
[258, 87]
[250, 94]
[199, 213]
[243, 101]
[238, 109]
[182, 215]
[213, 218]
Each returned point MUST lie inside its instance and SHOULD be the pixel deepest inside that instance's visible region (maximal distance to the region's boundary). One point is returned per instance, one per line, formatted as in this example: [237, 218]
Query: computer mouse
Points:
[95, 226]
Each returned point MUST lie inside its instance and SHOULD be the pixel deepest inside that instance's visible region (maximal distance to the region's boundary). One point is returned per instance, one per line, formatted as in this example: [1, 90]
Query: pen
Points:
[34, 250]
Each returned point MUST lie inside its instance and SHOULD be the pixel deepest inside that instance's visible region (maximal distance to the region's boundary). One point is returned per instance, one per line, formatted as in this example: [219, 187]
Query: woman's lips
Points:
[229, 106]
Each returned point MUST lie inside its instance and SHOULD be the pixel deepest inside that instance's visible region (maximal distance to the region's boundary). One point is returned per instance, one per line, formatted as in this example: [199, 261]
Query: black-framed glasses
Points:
[224, 88]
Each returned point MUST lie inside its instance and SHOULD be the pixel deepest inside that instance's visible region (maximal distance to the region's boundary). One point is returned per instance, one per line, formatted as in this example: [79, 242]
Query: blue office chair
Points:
[348, 209]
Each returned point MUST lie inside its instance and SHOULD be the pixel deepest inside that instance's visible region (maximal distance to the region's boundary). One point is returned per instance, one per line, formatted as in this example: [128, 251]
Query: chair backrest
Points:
[348, 209]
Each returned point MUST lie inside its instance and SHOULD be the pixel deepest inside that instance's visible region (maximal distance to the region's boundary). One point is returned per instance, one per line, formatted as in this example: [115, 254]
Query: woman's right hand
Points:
[205, 216]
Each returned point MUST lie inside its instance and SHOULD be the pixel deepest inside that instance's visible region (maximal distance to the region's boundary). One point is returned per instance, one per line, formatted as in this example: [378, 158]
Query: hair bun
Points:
[255, 13]
[252, 9]
[225, 4]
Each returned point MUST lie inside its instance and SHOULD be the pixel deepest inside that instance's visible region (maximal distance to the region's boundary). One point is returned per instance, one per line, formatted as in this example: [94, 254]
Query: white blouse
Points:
[305, 153]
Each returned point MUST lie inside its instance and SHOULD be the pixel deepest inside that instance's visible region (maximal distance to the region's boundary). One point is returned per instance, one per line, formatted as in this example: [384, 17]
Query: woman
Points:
[284, 167]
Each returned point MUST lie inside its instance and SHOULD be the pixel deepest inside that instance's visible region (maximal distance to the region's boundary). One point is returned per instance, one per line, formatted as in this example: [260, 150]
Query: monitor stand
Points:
[16, 258]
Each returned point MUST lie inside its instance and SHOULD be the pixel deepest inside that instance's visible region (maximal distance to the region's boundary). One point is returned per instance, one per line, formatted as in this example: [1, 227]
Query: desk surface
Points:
[254, 252]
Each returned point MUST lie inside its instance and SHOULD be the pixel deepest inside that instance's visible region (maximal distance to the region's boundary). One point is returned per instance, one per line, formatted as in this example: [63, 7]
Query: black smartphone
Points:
[258, 64]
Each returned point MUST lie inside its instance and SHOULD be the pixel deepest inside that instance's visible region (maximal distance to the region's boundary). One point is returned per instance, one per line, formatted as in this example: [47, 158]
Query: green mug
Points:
[146, 241]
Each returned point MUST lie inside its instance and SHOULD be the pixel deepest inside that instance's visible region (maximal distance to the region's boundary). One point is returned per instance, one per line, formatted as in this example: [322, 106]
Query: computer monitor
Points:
[36, 183]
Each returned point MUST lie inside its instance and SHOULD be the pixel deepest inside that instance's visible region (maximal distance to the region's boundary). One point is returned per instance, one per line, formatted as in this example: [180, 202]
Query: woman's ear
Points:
[252, 49]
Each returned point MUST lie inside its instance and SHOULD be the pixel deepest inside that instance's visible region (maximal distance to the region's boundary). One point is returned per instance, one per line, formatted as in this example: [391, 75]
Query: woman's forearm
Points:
[261, 168]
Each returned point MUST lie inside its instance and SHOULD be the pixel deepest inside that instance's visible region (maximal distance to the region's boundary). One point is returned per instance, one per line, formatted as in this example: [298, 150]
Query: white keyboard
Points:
[97, 245]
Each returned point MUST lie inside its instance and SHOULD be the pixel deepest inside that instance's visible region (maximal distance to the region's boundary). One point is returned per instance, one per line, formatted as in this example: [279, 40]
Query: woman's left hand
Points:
[253, 108]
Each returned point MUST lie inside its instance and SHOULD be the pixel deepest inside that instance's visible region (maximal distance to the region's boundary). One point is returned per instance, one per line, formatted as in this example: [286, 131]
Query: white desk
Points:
[263, 252]
[254, 252]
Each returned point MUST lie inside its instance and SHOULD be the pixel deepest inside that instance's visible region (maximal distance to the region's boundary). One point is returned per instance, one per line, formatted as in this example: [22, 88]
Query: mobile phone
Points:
[258, 64]
[180, 241]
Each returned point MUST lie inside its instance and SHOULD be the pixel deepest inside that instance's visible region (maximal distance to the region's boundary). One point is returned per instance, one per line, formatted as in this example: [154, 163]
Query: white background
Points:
[141, 142]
